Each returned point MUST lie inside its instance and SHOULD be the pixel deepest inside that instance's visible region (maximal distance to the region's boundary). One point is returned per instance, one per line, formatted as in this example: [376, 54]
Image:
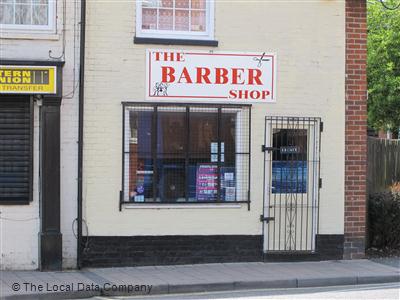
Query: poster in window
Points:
[207, 182]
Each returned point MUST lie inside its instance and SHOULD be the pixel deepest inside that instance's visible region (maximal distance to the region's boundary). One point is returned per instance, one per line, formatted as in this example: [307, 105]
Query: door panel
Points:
[291, 194]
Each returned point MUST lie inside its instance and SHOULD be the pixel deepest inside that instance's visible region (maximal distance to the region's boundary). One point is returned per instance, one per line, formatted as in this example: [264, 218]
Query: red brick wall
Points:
[356, 129]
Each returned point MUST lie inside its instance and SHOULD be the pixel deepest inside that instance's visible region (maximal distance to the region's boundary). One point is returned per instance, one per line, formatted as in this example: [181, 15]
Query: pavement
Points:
[390, 261]
[381, 291]
[154, 280]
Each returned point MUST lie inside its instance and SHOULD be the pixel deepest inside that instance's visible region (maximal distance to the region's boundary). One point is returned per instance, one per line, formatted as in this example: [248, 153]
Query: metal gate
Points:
[291, 192]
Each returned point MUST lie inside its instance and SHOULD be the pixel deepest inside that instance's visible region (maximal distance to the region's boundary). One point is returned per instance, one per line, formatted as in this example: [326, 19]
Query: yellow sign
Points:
[28, 80]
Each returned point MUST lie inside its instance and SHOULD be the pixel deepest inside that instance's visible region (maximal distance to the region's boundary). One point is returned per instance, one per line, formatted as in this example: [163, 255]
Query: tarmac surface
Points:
[155, 280]
[387, 291]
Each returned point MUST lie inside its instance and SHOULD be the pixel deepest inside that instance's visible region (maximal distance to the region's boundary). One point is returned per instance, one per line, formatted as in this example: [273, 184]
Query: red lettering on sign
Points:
[202, 75]
[221, 76]
[185, 75]
[167, 74]
[265, 94]
[179, 57]
[232, 94]
[246, 94]
[237, 76]
[254, 76]
[169, 56]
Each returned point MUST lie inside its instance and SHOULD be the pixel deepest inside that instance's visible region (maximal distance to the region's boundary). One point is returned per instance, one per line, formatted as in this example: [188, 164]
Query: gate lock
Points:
[266, 219]
[268, 149]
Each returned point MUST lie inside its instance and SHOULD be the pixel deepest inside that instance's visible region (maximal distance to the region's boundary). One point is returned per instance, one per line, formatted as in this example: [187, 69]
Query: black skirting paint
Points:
[114, 251]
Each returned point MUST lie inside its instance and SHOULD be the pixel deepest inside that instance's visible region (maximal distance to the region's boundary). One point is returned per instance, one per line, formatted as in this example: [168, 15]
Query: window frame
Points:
[22, 28]
[178, 35]
[220, 107]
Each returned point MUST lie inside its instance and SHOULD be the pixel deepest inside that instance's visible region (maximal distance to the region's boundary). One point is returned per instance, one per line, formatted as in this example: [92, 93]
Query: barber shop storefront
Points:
[30, 98]
[217, 132]
[208, 173]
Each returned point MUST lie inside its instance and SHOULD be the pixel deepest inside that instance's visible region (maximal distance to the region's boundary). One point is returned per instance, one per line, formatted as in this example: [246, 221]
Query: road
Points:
[371, 291]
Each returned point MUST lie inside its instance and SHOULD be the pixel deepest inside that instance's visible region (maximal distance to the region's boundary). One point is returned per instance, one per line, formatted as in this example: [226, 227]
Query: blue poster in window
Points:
[289, 177]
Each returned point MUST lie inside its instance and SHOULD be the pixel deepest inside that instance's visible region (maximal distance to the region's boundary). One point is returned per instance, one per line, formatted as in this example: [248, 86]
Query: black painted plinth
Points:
[50, 251]
[330, 246]
[327, 247]
[114, 251]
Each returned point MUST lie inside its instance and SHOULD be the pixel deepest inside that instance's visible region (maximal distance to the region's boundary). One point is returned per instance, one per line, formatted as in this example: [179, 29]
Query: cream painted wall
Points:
[309, 39]
[20, 224]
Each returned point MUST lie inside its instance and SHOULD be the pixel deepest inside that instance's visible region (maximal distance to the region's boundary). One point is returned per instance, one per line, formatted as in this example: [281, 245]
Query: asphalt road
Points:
[359, 292]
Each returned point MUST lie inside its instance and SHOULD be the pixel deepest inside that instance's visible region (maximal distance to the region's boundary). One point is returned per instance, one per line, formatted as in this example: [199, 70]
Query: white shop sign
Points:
[192, 75]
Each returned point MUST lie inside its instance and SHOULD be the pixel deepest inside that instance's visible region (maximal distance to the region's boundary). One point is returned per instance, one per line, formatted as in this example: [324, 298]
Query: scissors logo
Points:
[260, 59]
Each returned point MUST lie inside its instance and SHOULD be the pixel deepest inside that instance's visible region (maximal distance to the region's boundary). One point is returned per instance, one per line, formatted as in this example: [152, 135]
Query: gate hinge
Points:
[321, 126]
[267, 149]
[266, 219]
[320, 183]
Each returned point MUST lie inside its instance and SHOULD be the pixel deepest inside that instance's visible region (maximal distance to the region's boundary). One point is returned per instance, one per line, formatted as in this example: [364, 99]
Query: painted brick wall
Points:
[309, 39]
[356, 127]
[20, 224]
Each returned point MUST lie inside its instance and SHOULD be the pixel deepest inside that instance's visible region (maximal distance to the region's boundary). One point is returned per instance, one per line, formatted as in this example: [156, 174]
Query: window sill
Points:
[181, 206]
[19, 203]
[185, 42]
[29, 36]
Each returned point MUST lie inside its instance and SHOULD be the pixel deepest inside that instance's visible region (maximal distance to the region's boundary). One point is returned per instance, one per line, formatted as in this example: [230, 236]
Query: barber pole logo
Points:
[210, 76]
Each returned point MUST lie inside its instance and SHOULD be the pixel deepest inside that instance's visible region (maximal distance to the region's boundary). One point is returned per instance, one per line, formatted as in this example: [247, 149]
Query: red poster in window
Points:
[207, 182]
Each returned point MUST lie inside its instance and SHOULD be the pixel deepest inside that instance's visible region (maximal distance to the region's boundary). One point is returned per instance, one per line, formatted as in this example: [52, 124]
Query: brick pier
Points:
[356, 129]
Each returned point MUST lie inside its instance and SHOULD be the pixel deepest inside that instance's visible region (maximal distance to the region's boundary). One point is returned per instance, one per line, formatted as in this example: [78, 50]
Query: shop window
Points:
[15, 150]
[27, 14]
[186, 154]
[180, 19]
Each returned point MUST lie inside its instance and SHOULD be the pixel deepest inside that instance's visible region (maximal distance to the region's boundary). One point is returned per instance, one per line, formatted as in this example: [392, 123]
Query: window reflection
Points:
[186, 154]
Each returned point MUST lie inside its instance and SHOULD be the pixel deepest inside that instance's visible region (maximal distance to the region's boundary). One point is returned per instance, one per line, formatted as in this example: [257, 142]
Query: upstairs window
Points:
[27, 14]
[179, 19]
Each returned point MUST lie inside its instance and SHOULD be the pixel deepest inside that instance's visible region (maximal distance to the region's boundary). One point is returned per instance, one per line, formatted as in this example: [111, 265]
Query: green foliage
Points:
[384, 220]
[383, 67]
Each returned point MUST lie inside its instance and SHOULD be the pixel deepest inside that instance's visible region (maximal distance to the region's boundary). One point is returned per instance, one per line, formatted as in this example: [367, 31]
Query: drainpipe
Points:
[80, 131]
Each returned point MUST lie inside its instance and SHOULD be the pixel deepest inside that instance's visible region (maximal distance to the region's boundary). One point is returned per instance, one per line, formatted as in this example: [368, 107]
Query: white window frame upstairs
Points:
[174, 34]
[21, 28]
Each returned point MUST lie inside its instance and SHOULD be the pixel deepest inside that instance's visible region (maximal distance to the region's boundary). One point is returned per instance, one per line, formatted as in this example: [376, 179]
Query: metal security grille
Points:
[186, 153]
[15, 149]
[291, 195]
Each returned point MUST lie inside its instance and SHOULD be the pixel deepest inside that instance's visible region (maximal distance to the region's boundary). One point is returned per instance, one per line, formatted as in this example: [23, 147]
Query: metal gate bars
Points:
[291, 192]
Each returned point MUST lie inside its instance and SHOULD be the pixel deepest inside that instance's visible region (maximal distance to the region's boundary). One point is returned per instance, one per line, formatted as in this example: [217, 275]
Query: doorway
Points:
[292, 182]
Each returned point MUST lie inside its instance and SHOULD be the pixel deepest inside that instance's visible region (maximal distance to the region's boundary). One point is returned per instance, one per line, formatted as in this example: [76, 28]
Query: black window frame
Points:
[14, 98]
[186, 105]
